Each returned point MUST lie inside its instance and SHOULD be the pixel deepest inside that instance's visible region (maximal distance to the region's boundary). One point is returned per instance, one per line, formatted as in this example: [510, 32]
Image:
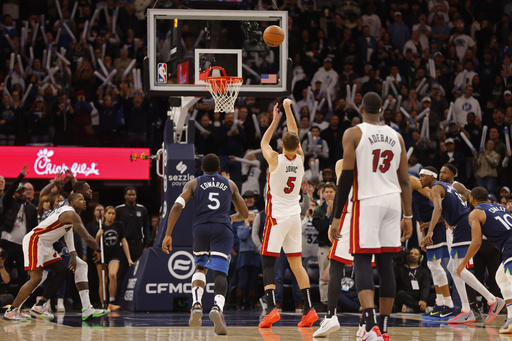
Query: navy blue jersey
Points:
[213, 200]
[421, 207]
[498, 224]
[454, 207]
[455, 213]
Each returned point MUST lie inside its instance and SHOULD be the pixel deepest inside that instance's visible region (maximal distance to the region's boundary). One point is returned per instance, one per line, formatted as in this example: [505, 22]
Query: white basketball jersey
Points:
[284, 182]
[377, 161]
[51, 229]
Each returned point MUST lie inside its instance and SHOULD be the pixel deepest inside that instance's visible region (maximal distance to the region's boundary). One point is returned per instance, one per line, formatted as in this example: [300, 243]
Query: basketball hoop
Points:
[224, 91]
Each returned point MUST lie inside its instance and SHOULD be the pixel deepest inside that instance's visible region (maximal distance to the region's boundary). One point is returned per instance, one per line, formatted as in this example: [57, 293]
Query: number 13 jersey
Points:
[284, 182]
[377, 162]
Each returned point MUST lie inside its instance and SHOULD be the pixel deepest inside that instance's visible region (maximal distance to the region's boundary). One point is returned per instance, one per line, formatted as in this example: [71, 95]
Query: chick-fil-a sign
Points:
[85, 163]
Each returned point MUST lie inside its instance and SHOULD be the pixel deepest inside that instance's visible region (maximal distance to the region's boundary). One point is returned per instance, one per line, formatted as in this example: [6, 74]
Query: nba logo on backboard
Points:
[162, 73]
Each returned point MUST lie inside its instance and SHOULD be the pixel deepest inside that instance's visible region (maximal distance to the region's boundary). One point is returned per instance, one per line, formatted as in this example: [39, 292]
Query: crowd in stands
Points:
[441, 66]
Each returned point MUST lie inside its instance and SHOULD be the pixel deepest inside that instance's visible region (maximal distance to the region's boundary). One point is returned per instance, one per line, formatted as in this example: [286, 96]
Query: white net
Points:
[224, 91]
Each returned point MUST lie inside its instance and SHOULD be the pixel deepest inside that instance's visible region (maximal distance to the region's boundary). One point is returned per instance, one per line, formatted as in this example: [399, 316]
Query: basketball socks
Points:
[41, 301]
[439, 300]
[197, 294]
[84, 297]
[370, 318]
[307, 300]
[383, 323]
[331, 312]
[334, 287]
[448, 302]
[219, 301]
[474, 283]
[271, 299]
[509, 310]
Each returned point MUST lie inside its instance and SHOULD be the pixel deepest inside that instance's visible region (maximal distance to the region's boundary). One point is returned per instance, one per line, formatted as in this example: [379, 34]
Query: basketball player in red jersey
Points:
[375, 174]
[283, 224]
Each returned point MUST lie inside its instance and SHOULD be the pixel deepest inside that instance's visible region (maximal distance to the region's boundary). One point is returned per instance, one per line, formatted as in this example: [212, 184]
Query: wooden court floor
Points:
[242, 326]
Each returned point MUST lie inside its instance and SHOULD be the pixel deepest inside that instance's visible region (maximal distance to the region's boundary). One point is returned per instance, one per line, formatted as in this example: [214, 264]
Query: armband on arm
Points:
[343, 190]
[180, 201]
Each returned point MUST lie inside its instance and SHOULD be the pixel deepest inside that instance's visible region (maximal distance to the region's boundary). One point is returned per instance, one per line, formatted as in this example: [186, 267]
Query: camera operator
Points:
[5, 298]
[413, 284]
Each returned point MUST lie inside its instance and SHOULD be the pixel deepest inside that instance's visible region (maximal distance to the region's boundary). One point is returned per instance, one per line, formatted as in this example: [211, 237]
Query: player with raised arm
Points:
[449, 204]
[212, 235]
[283, 224]
[495, 222]
[39, 254]
[375, 180]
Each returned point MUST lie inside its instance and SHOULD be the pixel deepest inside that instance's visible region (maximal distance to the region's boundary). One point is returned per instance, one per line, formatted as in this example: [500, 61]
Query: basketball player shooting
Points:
[375, 168]
[283, 224]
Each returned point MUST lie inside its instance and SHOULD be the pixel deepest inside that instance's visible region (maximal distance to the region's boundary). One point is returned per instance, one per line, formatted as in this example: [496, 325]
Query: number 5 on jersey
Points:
[290, 185]
[214, 200]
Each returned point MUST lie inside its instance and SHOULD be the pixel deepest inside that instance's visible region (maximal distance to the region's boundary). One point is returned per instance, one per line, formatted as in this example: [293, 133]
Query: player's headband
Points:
[428, 172]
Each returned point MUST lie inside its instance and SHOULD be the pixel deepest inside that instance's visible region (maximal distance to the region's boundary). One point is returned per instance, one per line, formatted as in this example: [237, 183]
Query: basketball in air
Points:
[273, 36]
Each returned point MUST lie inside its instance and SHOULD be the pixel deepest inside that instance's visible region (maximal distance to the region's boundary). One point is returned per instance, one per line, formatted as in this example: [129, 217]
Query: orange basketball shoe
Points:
[270, 319]
[308, 319]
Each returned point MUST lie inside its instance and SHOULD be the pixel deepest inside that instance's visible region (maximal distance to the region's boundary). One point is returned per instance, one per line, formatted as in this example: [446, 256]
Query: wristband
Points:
[407, 216]
[180, 201]
[99, 251]
[1, 267]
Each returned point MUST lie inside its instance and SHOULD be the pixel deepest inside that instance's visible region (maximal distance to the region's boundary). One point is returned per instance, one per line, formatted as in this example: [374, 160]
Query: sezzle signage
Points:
[180, 175]
[85, 163]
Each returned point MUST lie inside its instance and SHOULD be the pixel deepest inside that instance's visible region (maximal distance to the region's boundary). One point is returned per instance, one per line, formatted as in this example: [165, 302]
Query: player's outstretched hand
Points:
[287, 102]
[406, 227]
[167, 244]
[276, 113]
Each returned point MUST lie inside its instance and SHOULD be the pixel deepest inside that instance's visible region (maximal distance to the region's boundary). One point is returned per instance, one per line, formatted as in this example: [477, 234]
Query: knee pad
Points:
[221, 283]
[199, 276]
[80, 271]
[504, 282]
[364, 272]
[438, 273]
[268, 264]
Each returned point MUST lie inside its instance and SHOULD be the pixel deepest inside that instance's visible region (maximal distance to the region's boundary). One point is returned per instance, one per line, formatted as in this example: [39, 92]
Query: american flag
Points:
[269, 78]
